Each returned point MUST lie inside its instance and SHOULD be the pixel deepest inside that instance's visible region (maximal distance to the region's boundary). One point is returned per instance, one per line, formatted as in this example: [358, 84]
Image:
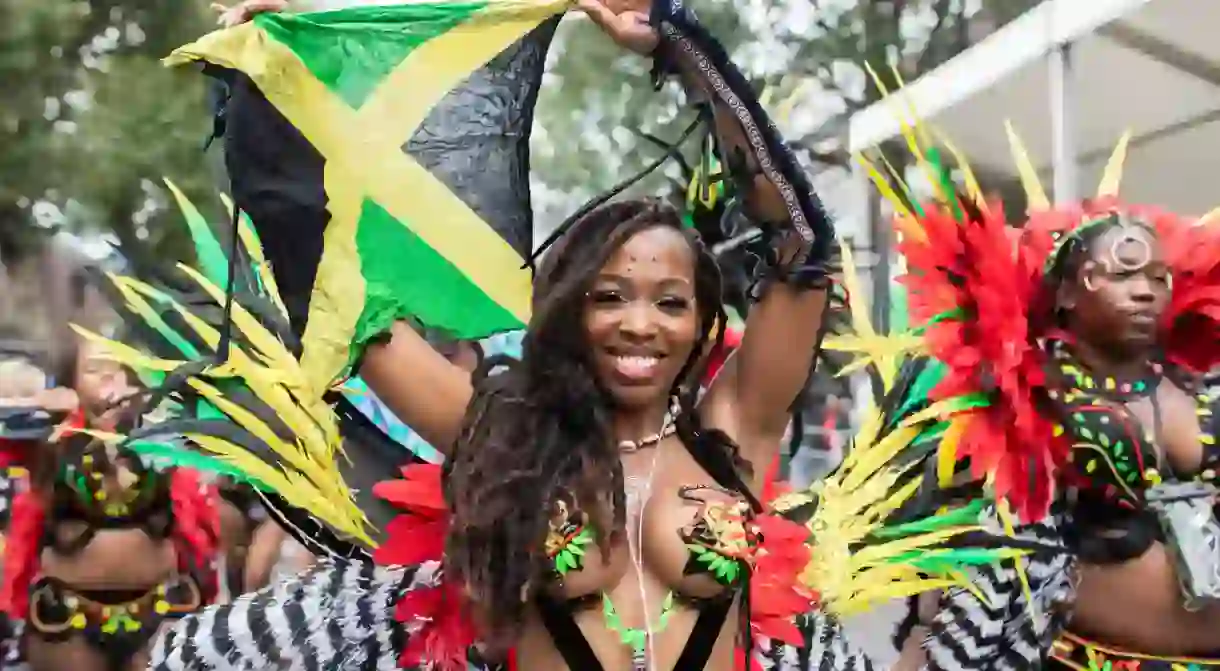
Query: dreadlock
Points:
[540, 432]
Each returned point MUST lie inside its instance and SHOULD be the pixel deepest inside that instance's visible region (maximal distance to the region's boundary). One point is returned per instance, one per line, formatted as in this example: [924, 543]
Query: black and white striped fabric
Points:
[336, 616]
[1005, 633]
[826, 649]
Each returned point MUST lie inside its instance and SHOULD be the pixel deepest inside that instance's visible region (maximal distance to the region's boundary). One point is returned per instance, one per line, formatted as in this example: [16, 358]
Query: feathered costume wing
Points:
[251, 357]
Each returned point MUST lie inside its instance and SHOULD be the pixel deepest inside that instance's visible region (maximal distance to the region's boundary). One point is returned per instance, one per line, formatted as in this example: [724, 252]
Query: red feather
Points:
[21, 551]
[448, 632]
[418, 535]
[777, 596]
[438, 617]
[1192, 321]
[981, 281]
[196, 511]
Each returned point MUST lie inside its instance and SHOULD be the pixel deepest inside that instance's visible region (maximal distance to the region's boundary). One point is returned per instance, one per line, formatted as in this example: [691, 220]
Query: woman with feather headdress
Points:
[1058, 365]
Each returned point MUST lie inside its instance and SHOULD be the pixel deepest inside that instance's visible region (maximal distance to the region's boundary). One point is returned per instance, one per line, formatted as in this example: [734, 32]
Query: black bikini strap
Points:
[703, 637]
[577, 654]
[1157, 427]
[568, 638]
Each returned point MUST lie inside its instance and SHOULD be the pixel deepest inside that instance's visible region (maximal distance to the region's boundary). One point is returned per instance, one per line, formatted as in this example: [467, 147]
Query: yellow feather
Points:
[297, 491]
[862, 324]
[250, 422]
[916, 123]
[879, 454]
[870, 426]
[1112, 178]
[883, 185]
[305, 417]
[939, 410]
[275, 355]
[126, 355]
[946, 455]
[854, 502]
[899, 178]
[1211, 217]
[1035, 195]
[268, 346]
[323, 476]
[972, 183]
[911, 131]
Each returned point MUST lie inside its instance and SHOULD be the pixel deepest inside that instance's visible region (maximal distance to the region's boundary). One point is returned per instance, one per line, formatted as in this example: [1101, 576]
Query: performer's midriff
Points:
[1137, 605]
[113, 559]
[1129, 598]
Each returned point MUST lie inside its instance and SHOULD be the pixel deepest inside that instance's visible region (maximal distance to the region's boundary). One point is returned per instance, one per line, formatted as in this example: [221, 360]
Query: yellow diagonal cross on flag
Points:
[364, 160]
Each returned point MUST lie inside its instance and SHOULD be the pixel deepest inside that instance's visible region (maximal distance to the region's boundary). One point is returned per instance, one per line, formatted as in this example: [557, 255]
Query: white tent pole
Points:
[1063, 123]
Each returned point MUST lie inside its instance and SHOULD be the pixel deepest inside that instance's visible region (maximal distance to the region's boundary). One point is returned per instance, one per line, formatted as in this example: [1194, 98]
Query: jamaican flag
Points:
[382, 154]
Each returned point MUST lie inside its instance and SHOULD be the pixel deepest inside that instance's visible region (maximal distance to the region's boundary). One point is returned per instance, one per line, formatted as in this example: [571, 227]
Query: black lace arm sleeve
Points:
[775, 192]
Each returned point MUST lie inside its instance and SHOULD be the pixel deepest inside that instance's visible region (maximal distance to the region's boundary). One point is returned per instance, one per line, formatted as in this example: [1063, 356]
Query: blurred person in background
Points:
[102, 548]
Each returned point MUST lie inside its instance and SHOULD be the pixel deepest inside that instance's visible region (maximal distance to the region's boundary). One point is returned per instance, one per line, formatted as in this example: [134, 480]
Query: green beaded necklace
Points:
[636, 637]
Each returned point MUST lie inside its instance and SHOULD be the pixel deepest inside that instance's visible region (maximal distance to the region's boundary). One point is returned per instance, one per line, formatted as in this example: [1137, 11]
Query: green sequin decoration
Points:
[119, 620]
[725, 570]
[572, 556]
[636, 638]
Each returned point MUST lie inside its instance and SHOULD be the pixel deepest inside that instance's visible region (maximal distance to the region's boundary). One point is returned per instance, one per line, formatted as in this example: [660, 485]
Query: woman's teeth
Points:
[635, 366]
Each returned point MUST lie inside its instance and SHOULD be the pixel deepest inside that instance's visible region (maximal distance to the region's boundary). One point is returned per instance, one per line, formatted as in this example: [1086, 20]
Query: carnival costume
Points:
[989, 374]
[63, 499]
[255, 346]
[63, 513]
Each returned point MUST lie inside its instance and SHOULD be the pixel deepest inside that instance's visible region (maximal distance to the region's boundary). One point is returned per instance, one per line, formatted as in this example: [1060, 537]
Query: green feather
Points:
[188, 458]
[921, 388]
[208, 251]
[946, 182]
[966, 515]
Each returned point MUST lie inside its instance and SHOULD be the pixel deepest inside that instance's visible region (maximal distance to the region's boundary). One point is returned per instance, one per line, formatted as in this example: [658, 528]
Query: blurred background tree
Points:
[90, 120]
[810, 52]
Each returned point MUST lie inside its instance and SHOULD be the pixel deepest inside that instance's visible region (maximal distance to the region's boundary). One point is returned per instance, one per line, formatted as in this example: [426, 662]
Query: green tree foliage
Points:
[810, 50]
[90, 121]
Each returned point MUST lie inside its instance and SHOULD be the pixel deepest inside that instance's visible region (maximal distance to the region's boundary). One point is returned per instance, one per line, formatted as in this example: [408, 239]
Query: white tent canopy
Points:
[1072, 76]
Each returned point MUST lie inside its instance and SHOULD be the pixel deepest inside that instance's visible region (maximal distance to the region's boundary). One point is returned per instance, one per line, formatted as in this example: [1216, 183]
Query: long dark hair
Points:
[540, 432]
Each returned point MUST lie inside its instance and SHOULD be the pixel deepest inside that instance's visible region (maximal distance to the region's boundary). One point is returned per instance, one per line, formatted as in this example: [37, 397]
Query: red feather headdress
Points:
[976, 286]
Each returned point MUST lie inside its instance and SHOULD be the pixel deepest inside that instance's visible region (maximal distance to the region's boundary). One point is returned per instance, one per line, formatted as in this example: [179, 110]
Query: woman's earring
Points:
[1087, 279]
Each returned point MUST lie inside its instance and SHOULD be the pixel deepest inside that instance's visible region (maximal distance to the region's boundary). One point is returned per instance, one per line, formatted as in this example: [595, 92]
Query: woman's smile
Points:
[636, 368]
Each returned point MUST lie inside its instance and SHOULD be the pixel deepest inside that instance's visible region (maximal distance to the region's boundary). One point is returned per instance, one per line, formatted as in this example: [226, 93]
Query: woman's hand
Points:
[625, 21]
[246, 10]
[59, 399]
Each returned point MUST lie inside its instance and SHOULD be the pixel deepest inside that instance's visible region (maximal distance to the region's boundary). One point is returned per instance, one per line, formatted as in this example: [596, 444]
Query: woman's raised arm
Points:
[426, 391]
[751, 397]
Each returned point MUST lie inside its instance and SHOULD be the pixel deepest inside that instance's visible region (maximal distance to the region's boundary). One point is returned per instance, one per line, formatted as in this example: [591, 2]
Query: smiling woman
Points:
[641, 319]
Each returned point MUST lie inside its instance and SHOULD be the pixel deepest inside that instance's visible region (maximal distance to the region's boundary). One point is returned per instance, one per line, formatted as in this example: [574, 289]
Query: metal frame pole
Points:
[877, 243]
[1063, 124]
